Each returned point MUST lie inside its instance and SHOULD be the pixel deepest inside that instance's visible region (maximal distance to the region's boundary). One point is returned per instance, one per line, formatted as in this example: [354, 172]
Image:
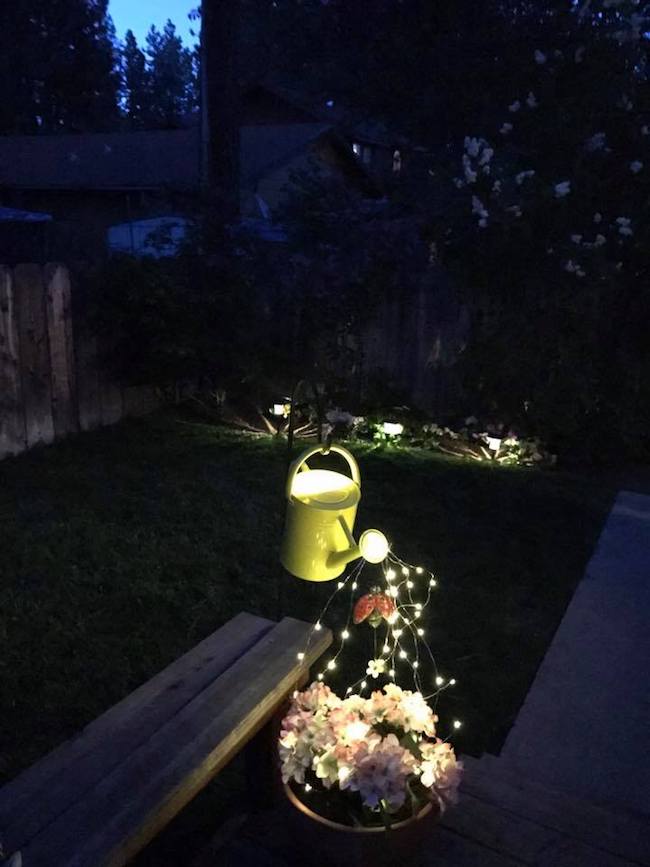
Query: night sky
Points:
[140, 15]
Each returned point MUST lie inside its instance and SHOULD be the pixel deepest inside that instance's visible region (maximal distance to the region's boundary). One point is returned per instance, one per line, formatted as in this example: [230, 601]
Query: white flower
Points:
[376, 667]
[506, 128]
[576, 238]
[486, 156]
[470, 174]
[521, 177]
[600, 240]
[531, 100]
[496, 187]
[579, 54]
[459, 183]
[645, 129]
[540, 57]
[440, 771]
[515, 106]
[598, 217]
[562, 189]
[483, 223]
[636, 166]
[624, 227]
[472, 146]
[596, 142]
[573, 268]
[477, 206]
[625, 102]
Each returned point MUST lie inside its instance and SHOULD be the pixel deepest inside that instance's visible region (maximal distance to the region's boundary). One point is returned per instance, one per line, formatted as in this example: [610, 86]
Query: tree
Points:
[545, 225]
[136, 90]
[172, 86]
[57, 66]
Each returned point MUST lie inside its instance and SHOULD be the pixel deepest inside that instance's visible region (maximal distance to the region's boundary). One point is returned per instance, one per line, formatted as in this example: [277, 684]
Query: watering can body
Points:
[321, 510]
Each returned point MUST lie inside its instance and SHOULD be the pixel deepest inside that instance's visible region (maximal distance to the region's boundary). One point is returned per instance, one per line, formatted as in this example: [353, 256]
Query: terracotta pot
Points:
[331, 844]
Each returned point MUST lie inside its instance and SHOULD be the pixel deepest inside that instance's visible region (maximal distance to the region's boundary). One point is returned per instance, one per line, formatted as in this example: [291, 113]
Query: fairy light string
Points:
[404, 645]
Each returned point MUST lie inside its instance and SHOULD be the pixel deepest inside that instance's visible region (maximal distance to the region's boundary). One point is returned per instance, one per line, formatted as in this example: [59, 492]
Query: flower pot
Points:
[332, 844]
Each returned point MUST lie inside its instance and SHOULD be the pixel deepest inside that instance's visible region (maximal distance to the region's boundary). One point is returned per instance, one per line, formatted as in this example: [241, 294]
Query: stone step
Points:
[528, 819]
[508, 768]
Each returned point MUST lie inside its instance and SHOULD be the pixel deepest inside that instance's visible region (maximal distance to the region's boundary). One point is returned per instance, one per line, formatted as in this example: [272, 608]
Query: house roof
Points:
[141, 160]
[12, 215]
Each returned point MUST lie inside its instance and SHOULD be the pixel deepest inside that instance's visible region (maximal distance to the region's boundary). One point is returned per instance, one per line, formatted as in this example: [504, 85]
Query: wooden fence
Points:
[51, 382]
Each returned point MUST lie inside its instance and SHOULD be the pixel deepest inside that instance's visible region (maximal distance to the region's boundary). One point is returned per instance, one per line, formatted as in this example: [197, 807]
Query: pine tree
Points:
[171, 76]
[136, 94]
[57, 66]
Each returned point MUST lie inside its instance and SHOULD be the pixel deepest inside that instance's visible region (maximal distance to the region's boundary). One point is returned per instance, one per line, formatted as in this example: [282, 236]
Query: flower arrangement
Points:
[366, 761]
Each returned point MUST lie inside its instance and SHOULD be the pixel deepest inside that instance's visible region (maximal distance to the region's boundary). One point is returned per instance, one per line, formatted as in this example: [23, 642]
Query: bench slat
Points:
[43, 792]
[151, 785]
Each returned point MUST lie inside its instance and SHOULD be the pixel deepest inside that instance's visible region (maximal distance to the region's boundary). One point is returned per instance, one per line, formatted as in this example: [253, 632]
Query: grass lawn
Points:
[122, 548]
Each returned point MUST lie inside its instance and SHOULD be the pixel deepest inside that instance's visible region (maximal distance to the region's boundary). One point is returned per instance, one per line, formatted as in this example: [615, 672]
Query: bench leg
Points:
[262, 774]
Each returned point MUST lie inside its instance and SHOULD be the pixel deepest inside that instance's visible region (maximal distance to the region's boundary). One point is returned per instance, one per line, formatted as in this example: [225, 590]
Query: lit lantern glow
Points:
[494, 443]
[373, 546]
[392, 429]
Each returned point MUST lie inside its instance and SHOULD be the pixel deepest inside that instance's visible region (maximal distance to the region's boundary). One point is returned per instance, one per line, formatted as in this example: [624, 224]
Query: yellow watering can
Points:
[321, 509]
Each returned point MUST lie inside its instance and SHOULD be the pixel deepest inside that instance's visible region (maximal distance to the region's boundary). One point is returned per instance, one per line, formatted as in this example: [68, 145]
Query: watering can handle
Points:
[300, 462]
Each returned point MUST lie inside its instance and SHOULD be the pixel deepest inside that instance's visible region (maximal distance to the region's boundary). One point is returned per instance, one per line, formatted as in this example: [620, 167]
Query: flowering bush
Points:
[372, 758]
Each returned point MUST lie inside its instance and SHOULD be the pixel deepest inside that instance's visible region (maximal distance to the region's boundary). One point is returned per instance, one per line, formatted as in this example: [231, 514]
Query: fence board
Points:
[88, 385]
[34, 354]
[12, 418]
[59, 323]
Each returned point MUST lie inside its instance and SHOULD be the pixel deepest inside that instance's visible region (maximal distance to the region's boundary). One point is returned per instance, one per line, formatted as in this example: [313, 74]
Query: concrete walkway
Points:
[585, 724]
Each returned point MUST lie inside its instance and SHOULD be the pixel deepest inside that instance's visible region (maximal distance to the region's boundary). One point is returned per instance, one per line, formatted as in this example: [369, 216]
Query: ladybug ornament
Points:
[373, 607]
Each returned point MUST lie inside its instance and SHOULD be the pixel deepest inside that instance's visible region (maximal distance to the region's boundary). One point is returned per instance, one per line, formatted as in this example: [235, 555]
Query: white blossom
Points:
[496, 187]
[531, 100]
[562, 189]
[625, 102]
[459, 183]
[472, 146]
[479, 208]
[514, 107]
[573, 268]
[645, 129]
[579, 54]
[486, 156]
[600, 240]
[483, 223]
[376, 667]
[596, 142]
[576, 238]
[521, 177]
[540, 57]
[624, 226]
[636, 166]
[598, 217]
[470, 174]
[506, 128]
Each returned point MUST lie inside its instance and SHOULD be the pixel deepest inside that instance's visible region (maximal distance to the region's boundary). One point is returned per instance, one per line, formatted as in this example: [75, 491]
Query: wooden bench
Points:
[102, 796]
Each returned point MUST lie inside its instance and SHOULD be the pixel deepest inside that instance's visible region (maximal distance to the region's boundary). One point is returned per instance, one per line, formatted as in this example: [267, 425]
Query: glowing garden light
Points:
[439, 680]
[494, 444]
[345, 634]
[392, 429]
[457, 724]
